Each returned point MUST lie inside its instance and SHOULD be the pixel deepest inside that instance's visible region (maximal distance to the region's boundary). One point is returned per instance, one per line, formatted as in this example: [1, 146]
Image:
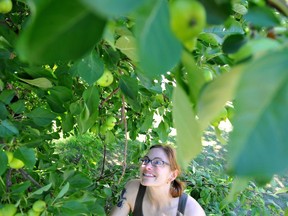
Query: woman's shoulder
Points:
[193, 207]
[132, 188]
[133, 183]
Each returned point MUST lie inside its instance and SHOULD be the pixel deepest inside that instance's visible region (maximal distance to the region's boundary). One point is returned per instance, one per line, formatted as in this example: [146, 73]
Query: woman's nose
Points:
[148, 166]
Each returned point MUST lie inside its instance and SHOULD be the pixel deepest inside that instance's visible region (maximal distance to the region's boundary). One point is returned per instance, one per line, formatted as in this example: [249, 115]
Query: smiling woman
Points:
[158, 191]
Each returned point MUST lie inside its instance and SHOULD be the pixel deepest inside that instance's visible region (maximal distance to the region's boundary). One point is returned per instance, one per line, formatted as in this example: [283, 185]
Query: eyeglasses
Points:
[156, 162]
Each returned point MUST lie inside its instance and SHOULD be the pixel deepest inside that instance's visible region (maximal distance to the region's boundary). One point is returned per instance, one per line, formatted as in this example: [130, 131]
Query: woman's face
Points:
[156, 175]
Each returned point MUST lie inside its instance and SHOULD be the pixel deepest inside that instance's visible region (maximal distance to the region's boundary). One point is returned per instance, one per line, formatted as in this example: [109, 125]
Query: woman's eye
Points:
[158, 162]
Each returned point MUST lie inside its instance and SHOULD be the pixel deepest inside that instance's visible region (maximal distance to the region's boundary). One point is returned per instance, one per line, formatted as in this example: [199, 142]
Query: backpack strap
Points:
[182, 203]
[139, 200]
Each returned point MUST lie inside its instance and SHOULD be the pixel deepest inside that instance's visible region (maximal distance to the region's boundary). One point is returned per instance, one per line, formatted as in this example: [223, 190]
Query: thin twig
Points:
[109, 96]
[104, 159]
[28, 177]
[126, 139]
[8, 180]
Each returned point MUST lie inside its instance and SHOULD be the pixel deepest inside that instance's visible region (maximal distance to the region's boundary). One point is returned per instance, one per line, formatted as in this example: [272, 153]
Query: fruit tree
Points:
[110, 67]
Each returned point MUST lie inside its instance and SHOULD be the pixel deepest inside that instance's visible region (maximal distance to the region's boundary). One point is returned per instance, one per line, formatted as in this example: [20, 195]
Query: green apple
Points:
[103, 129]
[20, 214]
[188, 19]
[95, 129]
[39, 206]
[208, 74]
[9, 156]
[5, 6]
[106, 79]
[9, 210]
[16, 163]
[110, 122]
[31, 212]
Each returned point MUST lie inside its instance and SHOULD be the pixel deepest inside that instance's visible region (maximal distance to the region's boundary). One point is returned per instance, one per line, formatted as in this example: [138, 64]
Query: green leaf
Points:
[18, 107]
[162, 130]
[41, 190]
[20, 188]
[216, 94]
[239, 8]
[3, 162]
[41, 116]
[58, 95]
[113, 8]
[255, 47]
[195, 77]
[210, 38]
[261, 17]
[91, 98]
[55, 29]
[233, 43]
[282, 190]
[63, 191]
[71, 208]
[3, 111]
[159, 50]
[258, 143]
[67, 122]
[217, 11]
[127, 45]
[61, 92]
[41, 82]
[79, 181]
[239, 184]
[188, 137]
[148, 120]
[6, 96]
[90, 68]
[129, 87]
[7, 129]
[27, 155]
[100, 210]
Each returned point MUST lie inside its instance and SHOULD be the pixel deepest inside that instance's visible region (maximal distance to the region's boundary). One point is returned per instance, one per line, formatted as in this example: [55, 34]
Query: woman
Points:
[157, 192]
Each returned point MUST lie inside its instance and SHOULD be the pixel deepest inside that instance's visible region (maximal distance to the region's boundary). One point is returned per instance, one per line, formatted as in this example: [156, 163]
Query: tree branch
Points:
[109, 96]
[28, 177]
[126, 139]
[8, 180]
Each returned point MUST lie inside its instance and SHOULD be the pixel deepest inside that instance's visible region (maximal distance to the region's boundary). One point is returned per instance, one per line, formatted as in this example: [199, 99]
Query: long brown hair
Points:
[177, 186]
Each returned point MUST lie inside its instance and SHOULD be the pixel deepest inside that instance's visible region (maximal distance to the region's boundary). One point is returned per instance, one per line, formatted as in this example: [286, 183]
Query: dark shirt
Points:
[139, 200]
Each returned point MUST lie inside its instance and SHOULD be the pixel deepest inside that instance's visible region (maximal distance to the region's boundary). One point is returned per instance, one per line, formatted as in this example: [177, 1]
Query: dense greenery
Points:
[229, 62]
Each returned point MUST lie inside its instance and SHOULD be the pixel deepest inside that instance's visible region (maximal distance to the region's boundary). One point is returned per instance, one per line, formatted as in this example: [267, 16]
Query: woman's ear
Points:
[174, 174]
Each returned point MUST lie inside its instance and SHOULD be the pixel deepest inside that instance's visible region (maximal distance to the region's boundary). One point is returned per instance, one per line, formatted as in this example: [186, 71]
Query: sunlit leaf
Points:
[41, 190]
[216, 94]
[39, 82]
[127, 45]
[188, 137]
[159, 50]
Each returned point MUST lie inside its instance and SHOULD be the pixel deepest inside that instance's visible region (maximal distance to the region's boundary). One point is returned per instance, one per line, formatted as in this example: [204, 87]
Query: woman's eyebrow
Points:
[153, 158]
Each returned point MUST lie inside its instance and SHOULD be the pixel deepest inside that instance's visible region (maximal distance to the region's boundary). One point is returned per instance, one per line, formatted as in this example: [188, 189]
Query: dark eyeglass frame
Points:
[145, 160]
